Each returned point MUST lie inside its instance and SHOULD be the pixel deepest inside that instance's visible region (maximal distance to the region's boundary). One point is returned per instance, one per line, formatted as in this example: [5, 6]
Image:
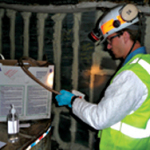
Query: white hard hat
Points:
[118, 18]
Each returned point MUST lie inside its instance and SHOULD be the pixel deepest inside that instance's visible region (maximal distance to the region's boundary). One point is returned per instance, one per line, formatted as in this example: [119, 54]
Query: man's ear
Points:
[126, 36]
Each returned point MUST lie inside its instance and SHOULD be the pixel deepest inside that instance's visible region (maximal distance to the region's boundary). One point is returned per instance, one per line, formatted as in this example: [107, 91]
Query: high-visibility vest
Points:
[133, 132]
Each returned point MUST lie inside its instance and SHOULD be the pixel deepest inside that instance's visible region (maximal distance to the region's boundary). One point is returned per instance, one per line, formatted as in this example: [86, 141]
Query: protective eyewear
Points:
[109, 41]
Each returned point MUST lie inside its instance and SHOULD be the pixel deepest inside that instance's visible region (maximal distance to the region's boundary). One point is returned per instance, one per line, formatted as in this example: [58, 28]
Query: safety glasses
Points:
[109, 41]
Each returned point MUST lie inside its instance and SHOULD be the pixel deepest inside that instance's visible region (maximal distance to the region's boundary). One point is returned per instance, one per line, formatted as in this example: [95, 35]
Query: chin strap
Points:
[141, 17]
[121, 64]
[133, 42]
[132, 46]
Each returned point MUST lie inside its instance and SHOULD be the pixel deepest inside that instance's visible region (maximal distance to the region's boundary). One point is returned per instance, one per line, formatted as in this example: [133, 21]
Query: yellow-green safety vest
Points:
[132, 132]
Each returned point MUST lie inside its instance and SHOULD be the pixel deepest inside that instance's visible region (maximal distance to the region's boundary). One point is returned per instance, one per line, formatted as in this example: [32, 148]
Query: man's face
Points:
[115, 43]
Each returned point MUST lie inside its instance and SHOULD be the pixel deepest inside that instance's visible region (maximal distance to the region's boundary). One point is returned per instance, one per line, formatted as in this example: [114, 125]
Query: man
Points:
[123, 114]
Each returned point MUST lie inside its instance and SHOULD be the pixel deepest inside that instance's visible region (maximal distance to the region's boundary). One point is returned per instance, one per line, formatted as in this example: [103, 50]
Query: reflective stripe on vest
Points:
[131, 131]
[143, 63]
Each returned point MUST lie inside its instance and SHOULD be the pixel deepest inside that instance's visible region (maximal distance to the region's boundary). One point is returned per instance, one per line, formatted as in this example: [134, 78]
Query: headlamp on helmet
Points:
[118, 18]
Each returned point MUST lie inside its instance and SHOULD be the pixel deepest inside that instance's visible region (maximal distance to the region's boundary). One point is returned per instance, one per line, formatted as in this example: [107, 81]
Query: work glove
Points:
[64, 98]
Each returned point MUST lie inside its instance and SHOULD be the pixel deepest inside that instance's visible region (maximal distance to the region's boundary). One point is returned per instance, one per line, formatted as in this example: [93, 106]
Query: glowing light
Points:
[50, 79]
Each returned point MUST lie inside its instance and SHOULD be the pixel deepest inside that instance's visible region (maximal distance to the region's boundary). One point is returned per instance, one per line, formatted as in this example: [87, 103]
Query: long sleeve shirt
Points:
[125, 94]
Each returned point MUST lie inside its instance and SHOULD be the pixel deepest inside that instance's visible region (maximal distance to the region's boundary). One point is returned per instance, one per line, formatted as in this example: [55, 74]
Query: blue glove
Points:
[64, 98]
